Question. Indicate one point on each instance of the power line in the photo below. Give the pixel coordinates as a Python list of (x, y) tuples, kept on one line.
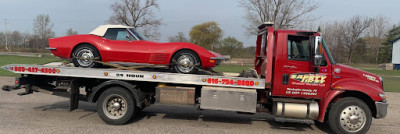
[(5, 33)]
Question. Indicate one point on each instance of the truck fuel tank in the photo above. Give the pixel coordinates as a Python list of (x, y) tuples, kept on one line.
[(296, 110)]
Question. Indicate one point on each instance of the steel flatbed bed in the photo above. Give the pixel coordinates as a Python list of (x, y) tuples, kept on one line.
[(145, 76)]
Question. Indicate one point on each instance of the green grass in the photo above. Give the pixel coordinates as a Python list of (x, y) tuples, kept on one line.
[(10, 59), (232, 68)]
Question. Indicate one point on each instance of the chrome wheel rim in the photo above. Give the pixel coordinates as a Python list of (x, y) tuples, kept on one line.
[(114, 106), (352, 118), (185, 63), (85, 57)]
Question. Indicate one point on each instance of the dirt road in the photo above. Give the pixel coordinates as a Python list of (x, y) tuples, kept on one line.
[(42, 113)]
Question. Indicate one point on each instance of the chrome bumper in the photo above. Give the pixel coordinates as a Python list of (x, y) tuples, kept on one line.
[(381, 109), (218, 58), (49, 48)]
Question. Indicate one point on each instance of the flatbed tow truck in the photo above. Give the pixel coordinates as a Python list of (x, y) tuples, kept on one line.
[(297, 78)]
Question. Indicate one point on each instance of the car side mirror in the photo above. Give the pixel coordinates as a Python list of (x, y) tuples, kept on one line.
[(127, 37)]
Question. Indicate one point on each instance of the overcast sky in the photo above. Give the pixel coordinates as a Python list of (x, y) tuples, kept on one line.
[(177, 15)]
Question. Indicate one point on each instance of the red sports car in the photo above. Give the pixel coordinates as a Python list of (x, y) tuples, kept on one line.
[(117, 43)]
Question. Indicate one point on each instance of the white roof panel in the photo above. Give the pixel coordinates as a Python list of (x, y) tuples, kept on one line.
[(101, 30)]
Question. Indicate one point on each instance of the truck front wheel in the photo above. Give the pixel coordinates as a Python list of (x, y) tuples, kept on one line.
[(116, 106), (350, 116)]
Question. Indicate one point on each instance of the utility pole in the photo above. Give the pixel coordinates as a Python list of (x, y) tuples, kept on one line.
[(5, 33)]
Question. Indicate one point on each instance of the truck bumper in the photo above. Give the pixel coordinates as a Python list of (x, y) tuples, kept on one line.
[(381, 109)]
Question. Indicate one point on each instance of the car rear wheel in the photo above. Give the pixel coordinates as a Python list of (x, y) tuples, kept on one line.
[(84, 56), (185, 62)]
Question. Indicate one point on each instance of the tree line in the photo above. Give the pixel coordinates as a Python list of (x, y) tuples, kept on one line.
[(42, 31)]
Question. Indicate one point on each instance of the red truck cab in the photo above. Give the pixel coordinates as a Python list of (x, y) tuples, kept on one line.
[(298, 64)]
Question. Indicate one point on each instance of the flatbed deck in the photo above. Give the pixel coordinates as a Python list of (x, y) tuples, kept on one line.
[(147, 76)]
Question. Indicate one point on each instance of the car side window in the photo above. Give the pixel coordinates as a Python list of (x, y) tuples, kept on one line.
[(118, 34), (299, 48)]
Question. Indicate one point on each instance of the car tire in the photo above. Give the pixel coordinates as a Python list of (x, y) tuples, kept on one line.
[(86, 51), (116, 106), (186, 62), (349, 116)]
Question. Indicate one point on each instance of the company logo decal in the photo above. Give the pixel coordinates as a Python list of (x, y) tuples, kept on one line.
[(337, 70), (371, 78), (308, 79)]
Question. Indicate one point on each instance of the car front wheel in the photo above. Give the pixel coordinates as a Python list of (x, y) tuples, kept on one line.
[(186, 62)]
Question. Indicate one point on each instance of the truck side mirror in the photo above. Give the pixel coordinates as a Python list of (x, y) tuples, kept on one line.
[(317, 60), (318, 50)]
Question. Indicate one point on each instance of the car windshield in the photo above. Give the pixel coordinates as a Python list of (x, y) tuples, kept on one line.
[(137, 34)]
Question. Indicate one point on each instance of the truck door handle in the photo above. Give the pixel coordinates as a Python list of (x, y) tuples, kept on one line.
[(291, 67), (285, 79)]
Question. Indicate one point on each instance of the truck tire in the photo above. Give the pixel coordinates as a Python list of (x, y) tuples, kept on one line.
[(86, 51), (350, 116), (116, 106)]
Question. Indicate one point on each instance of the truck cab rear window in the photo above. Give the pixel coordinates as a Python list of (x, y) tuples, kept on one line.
[(299, 48)]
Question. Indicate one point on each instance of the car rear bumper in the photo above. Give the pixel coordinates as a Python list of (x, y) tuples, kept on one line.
[(381, 109)]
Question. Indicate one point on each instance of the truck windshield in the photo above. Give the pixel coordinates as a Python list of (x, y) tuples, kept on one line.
[(137, 34), (328, 52)]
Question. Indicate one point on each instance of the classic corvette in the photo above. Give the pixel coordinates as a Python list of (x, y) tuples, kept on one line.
[(117, 43)]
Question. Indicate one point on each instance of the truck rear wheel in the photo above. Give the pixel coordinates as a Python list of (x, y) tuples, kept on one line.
[(350, 116), (116, 106)]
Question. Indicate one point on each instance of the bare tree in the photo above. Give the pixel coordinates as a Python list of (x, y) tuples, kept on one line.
[(332, 33), (354, 28), (180, 37), (137, 14), (70, 32), (43, 28), (16, 38), (284, 13), (376, 35)]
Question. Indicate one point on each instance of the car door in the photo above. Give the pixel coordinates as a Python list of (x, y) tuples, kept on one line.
[(122, 46), (300, 77)]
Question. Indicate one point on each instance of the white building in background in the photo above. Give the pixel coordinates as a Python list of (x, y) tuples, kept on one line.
[(396, 53)]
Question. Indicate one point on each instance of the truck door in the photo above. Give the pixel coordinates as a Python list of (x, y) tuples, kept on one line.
[(296, 72)]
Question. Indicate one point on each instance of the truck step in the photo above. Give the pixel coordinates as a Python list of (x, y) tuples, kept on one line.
[(293, 120)]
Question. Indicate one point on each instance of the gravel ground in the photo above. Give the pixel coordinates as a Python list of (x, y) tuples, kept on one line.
[(42, 113)]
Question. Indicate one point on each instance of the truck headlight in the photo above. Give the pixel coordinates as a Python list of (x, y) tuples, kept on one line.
[(383, 96)]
